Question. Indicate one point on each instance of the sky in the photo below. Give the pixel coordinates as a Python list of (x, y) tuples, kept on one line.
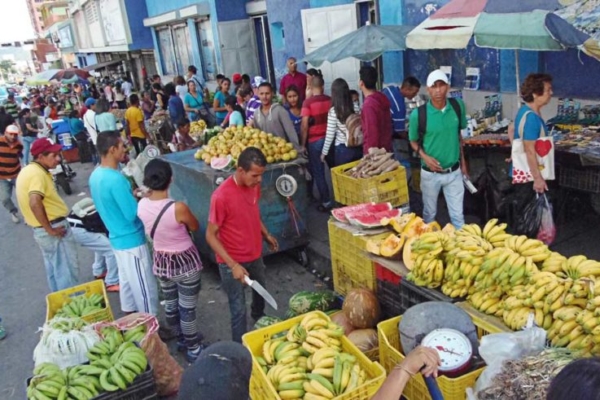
[(14, 22)]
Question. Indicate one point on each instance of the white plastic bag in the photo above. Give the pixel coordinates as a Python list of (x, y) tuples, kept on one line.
[(497, 348)]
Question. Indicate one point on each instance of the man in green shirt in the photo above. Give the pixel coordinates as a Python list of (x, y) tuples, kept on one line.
[(440, 150)]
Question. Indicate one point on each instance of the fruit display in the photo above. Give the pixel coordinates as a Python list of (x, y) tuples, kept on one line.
[(309, 362), (375, 162), (82, 305), (306, 301), (343, 214), (117, 365), (197, 128), (233, 140)]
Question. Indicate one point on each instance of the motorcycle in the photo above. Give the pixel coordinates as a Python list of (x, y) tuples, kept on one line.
[(62, 174)]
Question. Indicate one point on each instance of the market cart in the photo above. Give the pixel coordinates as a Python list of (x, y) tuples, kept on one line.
[(283, 204)]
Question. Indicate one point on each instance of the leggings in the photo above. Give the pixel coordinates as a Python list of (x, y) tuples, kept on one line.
[(181, 299), (139, 144)]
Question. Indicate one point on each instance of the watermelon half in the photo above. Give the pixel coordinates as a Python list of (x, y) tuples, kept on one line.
[(221, 163), (343, 214), (373, 220)]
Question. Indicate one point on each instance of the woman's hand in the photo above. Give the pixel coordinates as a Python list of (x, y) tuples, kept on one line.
[(422, 359), (323, 158), (539, 185)]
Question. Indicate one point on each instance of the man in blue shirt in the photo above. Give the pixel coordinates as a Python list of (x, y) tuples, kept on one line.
[(117, 207)]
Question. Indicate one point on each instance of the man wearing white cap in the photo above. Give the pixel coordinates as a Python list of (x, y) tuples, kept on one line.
[(434, 133)]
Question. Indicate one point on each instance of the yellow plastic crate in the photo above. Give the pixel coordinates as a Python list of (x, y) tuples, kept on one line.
[(351, 266), (387, 187), (391, 354), (261, 387), (55, 301)]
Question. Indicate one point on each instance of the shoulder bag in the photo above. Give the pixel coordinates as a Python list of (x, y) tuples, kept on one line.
[(544, 152)]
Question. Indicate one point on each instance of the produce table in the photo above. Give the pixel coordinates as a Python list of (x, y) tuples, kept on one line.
[(395, 266), (194, 182)]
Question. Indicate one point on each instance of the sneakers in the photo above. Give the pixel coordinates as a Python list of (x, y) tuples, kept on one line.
[(193, 354), (15, 218), (113, 288)]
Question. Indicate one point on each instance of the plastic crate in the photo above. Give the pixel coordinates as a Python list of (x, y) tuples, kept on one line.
[(351, 266), (587, 179), (388, 291), (261, 387), (55, 300), (387, 187), (391, 354), (411, 295)]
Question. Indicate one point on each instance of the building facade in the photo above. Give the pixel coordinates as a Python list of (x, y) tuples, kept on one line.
[(35, 14)]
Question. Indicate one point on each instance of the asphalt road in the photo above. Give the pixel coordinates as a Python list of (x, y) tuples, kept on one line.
[(23, 290)]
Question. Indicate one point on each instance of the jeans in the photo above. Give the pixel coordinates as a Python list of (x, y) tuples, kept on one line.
[(454, 191), (345, 155), (95, 156), (104, 257), (27, 141), (6, 189), (60, 257), (237, 296), (317, 169)]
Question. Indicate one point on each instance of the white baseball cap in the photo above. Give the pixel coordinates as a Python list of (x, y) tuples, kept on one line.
[(12, 129), (437, 75)]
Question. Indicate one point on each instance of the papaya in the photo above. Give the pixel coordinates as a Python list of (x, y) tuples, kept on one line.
[(415, 227), (391, 245), (407, 257), (373, 246), (399, 223)]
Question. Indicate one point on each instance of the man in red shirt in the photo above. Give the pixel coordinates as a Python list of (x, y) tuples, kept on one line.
[(293, 77), (313, 129), (376, 118), (235, 233)]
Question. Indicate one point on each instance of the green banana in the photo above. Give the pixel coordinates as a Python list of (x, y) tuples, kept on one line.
[(106, 385)]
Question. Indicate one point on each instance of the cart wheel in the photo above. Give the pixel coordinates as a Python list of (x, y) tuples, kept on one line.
[(595, 201), (303, 258)]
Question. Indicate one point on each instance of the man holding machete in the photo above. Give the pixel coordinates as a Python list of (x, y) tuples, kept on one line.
[(235, 233)]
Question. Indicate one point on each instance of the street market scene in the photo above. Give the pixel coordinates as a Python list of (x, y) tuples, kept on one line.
[(324, 199)]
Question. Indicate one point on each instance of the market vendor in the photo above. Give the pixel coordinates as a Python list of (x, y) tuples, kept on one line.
[(273, 117), (182, 139), (439, 145), (235, 233)]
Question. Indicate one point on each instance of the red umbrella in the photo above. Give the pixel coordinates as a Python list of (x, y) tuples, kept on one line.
[(70, 73)]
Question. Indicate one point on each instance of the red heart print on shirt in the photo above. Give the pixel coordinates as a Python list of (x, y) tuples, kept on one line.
[(543, 147)]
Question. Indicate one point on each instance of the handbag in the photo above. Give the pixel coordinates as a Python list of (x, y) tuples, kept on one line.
[(544, 149), (355, 136)]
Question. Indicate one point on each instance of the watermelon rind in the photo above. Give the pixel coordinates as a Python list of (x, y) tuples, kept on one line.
[(221, 163), (306, 301), (345, 213), (369, 221)]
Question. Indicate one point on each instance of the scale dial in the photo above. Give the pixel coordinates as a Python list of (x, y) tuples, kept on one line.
[(454, 348), (152, 151), (286, 185)]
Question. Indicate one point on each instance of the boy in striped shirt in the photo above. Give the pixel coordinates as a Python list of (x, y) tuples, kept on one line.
[(10, 166)]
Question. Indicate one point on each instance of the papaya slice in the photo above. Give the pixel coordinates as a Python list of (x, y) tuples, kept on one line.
[(407, 257), (392, 245), (373, 246)]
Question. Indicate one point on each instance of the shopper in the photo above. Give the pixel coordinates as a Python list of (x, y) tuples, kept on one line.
[(235, 233), (311, 73), (235, 113), (342, 107), (10, 166), (314, 127), (89, 121), (120, 98), (175, 105), (117, 207), (193, 102), (192, 75), (376, 119), (181, 138), (45, 212), (158, 96), (579, 380), (440, 148), (127, 87), (181, 87), (80, 136), (273, 118), (254, 103), (5, 119), (105, 120), (293, 77), (136, 127), (294, 107), (219, 101), (237, 81), (11, 106), (148, 106), (177, 262)]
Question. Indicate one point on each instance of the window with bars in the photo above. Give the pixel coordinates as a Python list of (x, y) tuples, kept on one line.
[(91, 12)]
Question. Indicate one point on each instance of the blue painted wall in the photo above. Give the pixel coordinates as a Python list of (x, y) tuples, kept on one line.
[(230, 10), (157, 7), (391, 12), (328, 3), (141, 36), (89, 57), (529, 61), (574, 73)]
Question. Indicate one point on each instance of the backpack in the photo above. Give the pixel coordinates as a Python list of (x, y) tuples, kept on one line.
[(355, 135), (422, 124)]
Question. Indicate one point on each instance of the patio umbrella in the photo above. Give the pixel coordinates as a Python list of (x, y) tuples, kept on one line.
[(43, 78), (585, 16), (366, 44), (70, 74)]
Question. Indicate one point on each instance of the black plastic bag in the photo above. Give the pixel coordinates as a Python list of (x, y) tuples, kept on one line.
[(530, 220)]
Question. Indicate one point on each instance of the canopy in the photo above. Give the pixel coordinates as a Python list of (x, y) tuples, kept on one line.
[(366, 44)]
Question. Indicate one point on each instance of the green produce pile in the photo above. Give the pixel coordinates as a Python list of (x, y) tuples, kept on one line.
[(81, 306)]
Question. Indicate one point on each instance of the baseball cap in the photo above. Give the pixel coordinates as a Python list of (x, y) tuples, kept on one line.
[(437, 75), (42, 145), (221, 372), (257, 80), (12, 129), (237, 77), (90, 102)]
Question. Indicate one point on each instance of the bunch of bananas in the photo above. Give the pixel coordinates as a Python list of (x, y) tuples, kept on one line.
[(530, 248), (67, 324), (135, 334), (85, 382), (308, 362), (495, 233), (578, 267), (427, 251), (81, 306), (555, 263), (197, 127)]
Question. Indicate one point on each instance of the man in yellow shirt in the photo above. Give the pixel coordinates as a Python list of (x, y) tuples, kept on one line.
[(136, 129), (46, 213)]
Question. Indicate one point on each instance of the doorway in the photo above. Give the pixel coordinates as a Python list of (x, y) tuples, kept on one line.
[(263, 42)]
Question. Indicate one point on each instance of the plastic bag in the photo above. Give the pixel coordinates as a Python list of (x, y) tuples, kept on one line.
[(531, 218), (497, 348), (547, 232)]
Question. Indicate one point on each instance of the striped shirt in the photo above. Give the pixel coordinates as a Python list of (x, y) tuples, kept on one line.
[(337, 133), (10, 166), (12, 108)]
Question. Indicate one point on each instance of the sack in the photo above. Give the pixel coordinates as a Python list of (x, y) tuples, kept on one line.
[(544, 148), (547, 232), (531, 219), (167, 372), (355, 135)]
